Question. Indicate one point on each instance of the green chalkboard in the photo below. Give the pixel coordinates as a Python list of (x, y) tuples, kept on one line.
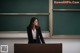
[(66, 23), (24, 6), (19, 23)]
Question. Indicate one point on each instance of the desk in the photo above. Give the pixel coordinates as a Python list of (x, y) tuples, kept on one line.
[(38, 48)]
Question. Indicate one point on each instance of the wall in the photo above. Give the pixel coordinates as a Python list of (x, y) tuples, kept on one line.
[(69, 45)]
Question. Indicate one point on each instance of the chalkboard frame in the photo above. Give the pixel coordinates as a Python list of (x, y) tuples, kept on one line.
[(65, 10), (23, 14)]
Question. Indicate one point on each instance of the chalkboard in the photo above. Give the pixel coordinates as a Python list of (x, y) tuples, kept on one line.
[(24, 6), (19, 23), (66, 23)]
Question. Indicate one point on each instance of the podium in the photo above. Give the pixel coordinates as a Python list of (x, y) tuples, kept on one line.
[(38, 48)]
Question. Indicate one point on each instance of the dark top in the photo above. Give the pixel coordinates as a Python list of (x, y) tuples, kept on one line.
[(39, 38)]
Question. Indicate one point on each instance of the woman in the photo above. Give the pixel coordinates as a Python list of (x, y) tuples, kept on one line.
[(34, 32)]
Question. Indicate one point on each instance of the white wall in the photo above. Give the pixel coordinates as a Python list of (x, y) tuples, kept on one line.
[(69, 45)]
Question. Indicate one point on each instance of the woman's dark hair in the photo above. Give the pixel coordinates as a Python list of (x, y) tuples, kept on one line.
[(32, 21)]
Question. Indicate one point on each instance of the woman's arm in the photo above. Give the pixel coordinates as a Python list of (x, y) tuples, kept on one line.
[(41, 37), (29, 34)]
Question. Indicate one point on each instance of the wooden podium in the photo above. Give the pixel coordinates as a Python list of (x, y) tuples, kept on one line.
[(38, 48)]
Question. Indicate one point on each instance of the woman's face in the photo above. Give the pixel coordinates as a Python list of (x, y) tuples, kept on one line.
[(35, 22)]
